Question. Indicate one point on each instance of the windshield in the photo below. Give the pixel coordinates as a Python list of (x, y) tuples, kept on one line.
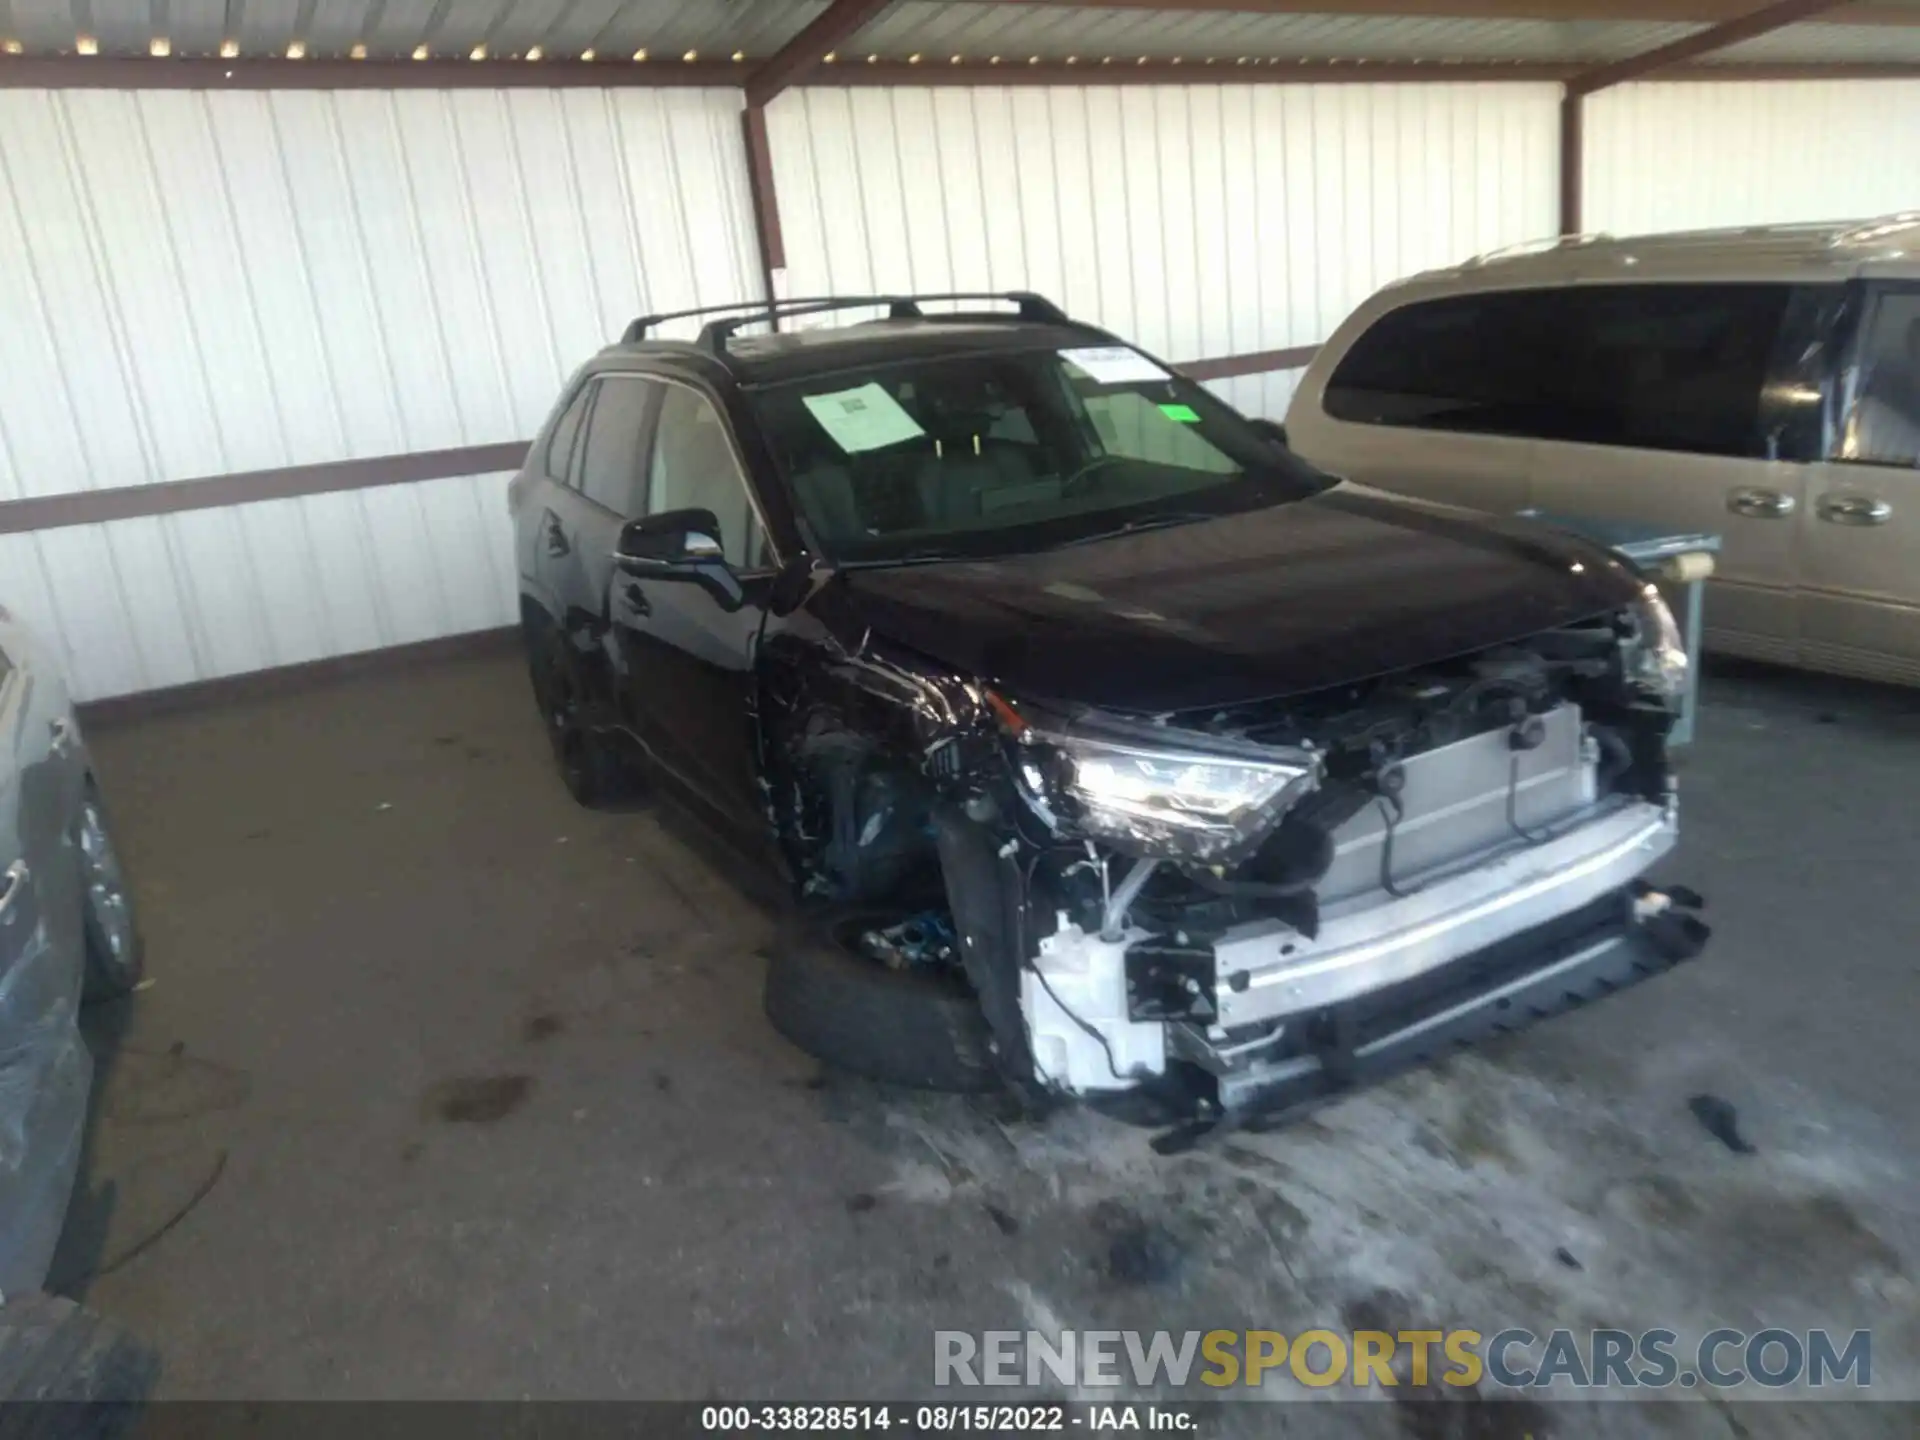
[(994, 454)]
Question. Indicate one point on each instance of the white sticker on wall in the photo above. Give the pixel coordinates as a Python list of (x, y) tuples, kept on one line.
[(1114, 364), (864, 418)]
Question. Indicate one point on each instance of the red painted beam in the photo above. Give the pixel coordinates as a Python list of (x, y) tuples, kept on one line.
[(766, 202), (1763, 21), (796, 59), (1228, 71), (1572, 160), (1679, 12)]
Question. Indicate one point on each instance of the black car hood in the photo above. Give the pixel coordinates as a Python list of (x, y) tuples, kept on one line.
[(1348, 584)]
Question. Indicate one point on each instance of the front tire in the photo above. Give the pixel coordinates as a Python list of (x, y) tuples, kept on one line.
[(919, 1027)]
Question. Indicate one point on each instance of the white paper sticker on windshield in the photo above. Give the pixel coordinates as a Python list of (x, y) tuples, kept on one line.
[(865, 418), (1114, 364)]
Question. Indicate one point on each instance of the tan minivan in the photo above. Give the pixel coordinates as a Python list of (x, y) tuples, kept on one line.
[(1760, 384)]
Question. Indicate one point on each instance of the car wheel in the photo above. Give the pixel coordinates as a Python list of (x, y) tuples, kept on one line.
[(920, 1026), (593, 768), (115, 955)]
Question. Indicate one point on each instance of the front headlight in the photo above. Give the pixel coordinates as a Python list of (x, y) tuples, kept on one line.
[(1660, 657), (1147, 799)]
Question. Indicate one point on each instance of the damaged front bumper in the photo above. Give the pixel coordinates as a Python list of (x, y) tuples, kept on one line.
[(1604, 946), (1520, 930), (1267, 971)]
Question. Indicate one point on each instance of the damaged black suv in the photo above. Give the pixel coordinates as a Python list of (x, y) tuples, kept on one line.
[(1105, 747)]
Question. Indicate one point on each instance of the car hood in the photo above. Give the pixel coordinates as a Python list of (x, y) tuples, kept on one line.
[(1348, 584)]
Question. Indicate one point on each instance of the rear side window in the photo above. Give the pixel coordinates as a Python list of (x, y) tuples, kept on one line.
[(614, 451), (565, 430), (1658, 367)]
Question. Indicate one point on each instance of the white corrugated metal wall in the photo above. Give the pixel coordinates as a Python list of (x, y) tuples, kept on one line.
[(1693, 155), (205, 283), (1201, 221)]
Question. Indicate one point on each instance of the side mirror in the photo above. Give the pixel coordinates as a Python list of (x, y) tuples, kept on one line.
[(1272, 430), (680, 545)]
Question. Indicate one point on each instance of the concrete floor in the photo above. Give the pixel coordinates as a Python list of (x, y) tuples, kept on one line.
[(476, 1091)]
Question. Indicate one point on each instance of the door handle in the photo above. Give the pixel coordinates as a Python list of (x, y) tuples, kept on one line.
[(557, 539), (1843, 509), (13, 885), (61, 729), (637, 599), (1759, 504)]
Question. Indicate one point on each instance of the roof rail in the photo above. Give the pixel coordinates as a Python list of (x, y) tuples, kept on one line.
[(713, 335), (1869, 230), (638, 329), (1544, 245)]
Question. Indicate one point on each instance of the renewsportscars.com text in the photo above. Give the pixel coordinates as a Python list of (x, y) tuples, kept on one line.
[(1511, 1359)]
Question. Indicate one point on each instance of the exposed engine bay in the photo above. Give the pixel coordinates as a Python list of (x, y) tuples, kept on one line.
[(1212, 908)]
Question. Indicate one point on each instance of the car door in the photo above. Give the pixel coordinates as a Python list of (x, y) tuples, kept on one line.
[(604, 489), (688, 658), (1657, 412), (1860, 532)]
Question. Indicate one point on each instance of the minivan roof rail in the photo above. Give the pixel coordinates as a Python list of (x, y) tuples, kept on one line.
[(1546, 244), (1835, 234), (714, 334), (1880, 229)]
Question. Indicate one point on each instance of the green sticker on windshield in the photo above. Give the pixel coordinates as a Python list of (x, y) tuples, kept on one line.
[(1185, 414)]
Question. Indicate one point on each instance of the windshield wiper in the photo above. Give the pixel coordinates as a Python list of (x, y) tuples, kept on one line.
[(930, 556), (1161, 521)]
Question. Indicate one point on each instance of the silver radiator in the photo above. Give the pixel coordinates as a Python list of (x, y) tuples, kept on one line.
[(1455, 804)]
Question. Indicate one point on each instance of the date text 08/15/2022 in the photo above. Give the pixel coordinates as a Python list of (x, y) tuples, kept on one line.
[(864, 1419)]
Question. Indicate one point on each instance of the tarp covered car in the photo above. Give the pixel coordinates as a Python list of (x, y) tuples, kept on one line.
[(66, 929)]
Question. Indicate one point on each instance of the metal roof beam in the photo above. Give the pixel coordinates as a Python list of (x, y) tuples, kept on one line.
[(796, 59), (1763, 21), (102, 72), (1678, 12), (1217, 71)]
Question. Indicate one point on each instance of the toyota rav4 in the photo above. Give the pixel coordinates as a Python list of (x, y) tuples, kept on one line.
[(1104, 747)]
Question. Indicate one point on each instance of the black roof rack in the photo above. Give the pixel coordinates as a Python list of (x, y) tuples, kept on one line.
[(714, 334), (637, 331)]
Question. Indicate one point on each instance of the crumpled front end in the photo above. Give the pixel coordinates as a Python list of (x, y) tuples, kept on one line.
[(1239, 907), (1255, 907)]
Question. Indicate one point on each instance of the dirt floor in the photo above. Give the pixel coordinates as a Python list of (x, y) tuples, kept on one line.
[(445, 1087)]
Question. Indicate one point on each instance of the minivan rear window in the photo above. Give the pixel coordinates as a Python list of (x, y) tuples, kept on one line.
[(1658, 367)]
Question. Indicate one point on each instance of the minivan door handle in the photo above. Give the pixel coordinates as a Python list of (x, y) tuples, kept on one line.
[(556, 535), (1759, 503), (1843, 509)]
